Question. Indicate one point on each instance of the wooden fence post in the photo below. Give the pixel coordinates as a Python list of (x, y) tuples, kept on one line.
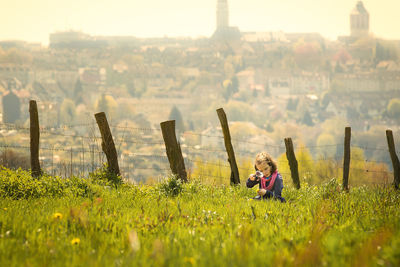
[(107, 143), (34, 136), (173, 149), (294, 168), (394, 158), (346, 158), (228, 146)]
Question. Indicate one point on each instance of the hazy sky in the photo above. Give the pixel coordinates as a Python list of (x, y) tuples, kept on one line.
[(33, 20)]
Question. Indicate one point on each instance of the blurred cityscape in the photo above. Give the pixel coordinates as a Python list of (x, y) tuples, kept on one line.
[(271, 85)]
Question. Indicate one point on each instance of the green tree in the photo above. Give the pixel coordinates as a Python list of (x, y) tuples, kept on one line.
[(338, 68), (131, 88), (393, 108), (16, 56), (78, 92), (67, 111), (306, 164), (326, 169), (106, 104), (176, 115), (308, 55), (307, 119), (335, 126), (267, 89), (269, 128), (227, 89), (235, 84), (239, 111), (385, 51), (326, 141), (11, 108), (292, 104)]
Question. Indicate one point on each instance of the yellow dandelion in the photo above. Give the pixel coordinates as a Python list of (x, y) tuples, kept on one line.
[(75, 241), (5, 209), (57, 216), (190, 260)]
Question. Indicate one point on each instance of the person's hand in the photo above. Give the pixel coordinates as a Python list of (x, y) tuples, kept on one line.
[(261, 192), (252, 177)]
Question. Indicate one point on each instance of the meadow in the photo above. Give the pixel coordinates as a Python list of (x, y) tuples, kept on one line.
[(100, 221)]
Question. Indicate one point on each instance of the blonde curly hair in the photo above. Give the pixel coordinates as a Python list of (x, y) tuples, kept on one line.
[(264, 157)]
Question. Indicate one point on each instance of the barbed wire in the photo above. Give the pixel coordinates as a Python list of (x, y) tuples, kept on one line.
[(203, 149), (367, 170), (142, 143), (50, 129), (154, 169), (215, 164), (372, 149), (73, 150), (147, 155), (54, 127), (136, 128), (72, 135), (318, 147)]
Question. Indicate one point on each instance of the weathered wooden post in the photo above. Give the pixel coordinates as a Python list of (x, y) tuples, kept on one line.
[(291, 157), (173, 149), (107, 143), (34, 136), (228, 146), (346, 158), (394, 158)]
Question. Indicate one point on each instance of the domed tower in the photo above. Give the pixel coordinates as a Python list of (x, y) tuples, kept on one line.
[(359, 21), (222, 14)]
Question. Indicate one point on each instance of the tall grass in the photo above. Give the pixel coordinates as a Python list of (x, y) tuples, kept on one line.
[(197, 224)]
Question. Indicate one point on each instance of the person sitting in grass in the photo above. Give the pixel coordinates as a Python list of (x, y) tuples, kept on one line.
[(267, 177)]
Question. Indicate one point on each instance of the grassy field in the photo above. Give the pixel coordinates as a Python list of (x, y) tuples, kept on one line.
[(91, 222)]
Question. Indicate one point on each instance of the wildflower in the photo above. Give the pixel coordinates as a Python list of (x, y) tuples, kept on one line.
[(189, 259), (5, 209), (75, 241), (57, 216)]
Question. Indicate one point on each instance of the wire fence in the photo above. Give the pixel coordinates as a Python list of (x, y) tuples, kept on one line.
[(75, 150)]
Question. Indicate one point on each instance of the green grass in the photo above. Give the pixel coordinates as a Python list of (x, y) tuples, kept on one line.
[(193, 224)]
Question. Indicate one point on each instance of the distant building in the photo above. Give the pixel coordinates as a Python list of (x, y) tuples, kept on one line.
[(281, 82), (264, 37), (376, 82), (223, 30), (306, 37), (359, 24), (93, 75), (21, 72), (222, 14), (68, 37), (75, 39), (359, 21)]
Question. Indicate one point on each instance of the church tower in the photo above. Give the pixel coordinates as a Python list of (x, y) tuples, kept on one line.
[(222, 15), (223, 31), (359, 21)]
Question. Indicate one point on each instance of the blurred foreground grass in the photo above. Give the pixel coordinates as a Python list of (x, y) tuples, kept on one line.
[(89, 222)]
